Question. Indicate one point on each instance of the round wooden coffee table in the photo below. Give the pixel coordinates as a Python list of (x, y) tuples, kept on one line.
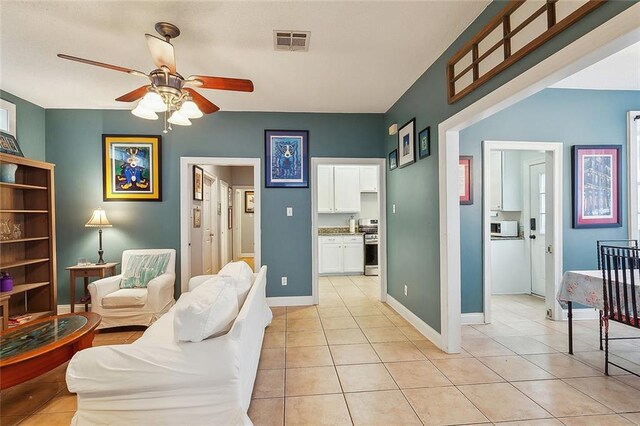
[(31, 349)]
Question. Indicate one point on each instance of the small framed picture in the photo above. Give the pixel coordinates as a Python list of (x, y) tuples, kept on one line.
[(197, 217), (9, 145), (230, 218), (393, 159), (465, 179), (198, 181), (424, 142), (249, 199), (596, 186), (407, 144)]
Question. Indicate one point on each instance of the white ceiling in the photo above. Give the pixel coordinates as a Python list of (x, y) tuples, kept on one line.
[(620, 71), (363, 55)]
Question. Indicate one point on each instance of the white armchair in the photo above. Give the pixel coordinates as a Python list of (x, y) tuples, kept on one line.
[(134, 306)]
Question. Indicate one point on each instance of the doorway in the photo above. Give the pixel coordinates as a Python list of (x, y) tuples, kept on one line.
[(243, 223), (199, 219), (346, 260), (530, 191)]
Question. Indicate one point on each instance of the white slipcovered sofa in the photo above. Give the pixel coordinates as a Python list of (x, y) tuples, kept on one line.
[(158, 381)]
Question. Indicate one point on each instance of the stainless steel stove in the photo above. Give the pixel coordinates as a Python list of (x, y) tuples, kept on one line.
[(370, 229)]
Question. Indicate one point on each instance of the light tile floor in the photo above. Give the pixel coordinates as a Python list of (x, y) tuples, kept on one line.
[(354, 360)]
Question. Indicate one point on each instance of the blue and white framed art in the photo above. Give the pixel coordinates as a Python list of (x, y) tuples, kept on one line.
[(407, 144), (286, 158), (424, 142)]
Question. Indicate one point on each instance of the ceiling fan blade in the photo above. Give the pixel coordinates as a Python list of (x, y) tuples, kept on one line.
[(134, 95), (162, 52), (203, 103), (222, 83), (101, 64)]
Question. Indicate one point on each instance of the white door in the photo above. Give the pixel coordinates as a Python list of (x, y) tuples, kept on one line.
[(330, 250), (224, 223), (346, 187), (325, 189), (537, 224), (207, 224), (368, 178)]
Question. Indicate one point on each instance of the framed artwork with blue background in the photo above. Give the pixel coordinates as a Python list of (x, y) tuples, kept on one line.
[(424, 142), (393, 159), (286, 158)]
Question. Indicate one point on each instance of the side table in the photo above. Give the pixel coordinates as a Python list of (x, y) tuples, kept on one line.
[(87, 271)]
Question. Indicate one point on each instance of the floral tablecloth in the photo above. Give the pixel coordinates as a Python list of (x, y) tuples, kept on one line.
[(585, 287)]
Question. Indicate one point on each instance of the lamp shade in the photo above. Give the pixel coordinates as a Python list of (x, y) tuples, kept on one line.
[(190, 110), (154, 102), (98, 220), (179, 119), (143, 112)]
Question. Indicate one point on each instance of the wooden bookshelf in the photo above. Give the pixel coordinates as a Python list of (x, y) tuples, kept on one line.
[(29, 254)]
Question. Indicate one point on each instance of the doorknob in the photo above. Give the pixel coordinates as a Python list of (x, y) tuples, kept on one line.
[(533, 237)]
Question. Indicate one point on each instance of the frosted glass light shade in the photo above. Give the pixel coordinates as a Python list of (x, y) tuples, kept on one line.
[(189, 109), (179, 119), (98, 220), (142, 112), (154, 102)]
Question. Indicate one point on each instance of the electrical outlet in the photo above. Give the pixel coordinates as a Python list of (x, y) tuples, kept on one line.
[(284, 280), (394, 208), (406, 290)]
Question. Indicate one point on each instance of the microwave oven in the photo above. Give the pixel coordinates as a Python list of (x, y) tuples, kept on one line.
[(504, 228)]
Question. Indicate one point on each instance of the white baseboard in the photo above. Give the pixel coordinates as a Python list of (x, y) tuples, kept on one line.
[(422, 326), (65, 309), (472, 318), (290, 301), (581, 314)]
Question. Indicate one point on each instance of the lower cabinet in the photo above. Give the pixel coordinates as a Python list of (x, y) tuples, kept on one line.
[(509, 268), (341, 254)]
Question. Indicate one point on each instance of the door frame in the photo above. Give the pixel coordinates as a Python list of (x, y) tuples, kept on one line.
[(382, 221), (555, 149), (186, 194), (237, 221), (224, 220), (612, 36), (526, 203), (632, 172)]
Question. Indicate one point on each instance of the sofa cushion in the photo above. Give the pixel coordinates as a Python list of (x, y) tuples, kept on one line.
[(142, 268), (125, 297), (209, 310), (242, 276)]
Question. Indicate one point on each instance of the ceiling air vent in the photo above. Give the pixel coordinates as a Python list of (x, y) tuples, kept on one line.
[(292, 41)]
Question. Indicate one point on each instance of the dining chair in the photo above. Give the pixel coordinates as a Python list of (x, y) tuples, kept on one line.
[(600, 243), (621, 293)]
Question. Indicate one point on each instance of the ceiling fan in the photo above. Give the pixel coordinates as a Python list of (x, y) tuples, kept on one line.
[(168, 91)]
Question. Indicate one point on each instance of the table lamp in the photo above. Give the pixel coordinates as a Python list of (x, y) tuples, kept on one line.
[(99, 220)]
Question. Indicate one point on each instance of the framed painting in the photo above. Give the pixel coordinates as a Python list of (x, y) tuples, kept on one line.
[(249, 199), (424, 143), (596, 186), (197, 217), (465, 179), (393, 159), (286, 158), (9, 144), (407, 144), (131, 168), (198, 182)]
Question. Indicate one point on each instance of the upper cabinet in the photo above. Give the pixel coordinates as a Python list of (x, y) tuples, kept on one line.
[(506, 181), (338, 189), (368, 178)]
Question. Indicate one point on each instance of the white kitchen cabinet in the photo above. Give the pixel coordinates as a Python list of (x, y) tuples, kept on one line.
[(330, 261), (353, 254), (509, 267), (325, 189), (346, 189), (506, 181), (495, 185), (368, 178), (341, 254)]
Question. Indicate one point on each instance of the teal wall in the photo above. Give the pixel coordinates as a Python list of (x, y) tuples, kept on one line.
[(573, 117), (74, 145), (413, 234), (31, 126)]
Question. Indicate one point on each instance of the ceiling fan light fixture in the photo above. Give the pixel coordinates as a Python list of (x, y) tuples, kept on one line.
[(189, 109), (143, 112), (154, 102), (179, 119)]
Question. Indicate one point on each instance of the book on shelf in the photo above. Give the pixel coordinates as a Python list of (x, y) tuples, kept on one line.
[(19, 319)]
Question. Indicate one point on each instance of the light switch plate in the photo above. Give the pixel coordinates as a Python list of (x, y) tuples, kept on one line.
[(284, 280), (289, 211), (394, 208)]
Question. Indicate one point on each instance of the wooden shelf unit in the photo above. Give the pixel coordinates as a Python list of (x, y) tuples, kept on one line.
[(30, 258)]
